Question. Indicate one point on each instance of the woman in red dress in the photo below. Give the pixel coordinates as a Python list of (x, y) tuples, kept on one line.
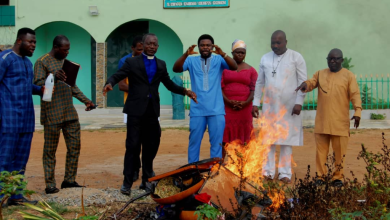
[(238, 88)]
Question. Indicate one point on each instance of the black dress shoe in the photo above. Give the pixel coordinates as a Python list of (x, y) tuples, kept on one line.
[(338, 183), (66, 184), (20, 202), (136, 176), (142, 186), (147, 186), (125, 190), (51, 190)]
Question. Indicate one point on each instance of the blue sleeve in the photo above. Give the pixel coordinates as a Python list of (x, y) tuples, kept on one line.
[(36, 90), (187, 64), (224, 65), (121, 62)]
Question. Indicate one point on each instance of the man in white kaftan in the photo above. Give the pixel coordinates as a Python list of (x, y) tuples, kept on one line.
[(281, 71)]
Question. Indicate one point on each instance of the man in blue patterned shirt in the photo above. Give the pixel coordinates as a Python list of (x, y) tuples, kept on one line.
[(206, 74), (17, 120)]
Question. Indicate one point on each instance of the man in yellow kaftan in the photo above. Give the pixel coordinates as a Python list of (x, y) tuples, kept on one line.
[(337, 87)]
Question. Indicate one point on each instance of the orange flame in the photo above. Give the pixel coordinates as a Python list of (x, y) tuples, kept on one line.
[(253, 155), (278, 197)]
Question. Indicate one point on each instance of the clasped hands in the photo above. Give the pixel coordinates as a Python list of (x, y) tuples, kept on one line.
[(217, 50), (236, 105)]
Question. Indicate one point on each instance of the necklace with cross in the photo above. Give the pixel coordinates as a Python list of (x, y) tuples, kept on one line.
[(273, 59)]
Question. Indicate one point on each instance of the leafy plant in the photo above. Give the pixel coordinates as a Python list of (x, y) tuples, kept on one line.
[(347, 63), (367, 199), (55, 210), (366, 96), (378, 116), (50, 212), (12, 183), (207, 211), (43, 208)]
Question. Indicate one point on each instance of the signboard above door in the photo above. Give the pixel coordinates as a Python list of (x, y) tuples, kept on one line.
[(195, 4)]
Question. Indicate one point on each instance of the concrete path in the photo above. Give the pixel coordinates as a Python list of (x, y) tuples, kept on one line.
[(113, 118)]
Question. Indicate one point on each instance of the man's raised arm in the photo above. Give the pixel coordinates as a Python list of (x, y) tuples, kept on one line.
[(178, 66)]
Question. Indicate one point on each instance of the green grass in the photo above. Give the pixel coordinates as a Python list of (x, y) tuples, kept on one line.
[(9, 211), (60, 209)]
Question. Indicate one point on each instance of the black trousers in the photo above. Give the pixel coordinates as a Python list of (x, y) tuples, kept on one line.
[(141, 130)]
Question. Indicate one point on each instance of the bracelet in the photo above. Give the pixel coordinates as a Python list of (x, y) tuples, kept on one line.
[(225, 56)]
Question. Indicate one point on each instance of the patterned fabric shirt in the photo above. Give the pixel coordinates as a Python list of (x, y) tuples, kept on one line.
[(16, 89), (206, 77), (61, 107)]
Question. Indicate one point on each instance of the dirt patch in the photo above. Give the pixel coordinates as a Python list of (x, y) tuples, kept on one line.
[(102, 153)]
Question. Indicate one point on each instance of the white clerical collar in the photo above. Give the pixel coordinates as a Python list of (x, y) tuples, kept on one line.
[(149, 57)]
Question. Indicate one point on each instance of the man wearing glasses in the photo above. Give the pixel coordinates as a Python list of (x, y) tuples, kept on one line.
[(337, 87)]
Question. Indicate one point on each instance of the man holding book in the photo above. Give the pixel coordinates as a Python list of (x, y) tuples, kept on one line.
[(60, 114)]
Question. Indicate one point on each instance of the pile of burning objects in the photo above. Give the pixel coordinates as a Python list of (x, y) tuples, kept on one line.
[(179, 192)]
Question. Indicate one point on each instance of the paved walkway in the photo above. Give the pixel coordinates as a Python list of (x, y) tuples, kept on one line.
[(113, 118)]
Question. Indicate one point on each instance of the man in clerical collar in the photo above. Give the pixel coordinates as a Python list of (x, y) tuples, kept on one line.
[(206, 74), (145, 73), (280, 72), (337, 86)]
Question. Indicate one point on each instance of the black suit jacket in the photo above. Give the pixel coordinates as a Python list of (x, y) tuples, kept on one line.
[(139, 87)]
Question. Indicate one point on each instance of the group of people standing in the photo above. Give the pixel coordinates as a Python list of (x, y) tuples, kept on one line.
[(227, 93), (19, 80)]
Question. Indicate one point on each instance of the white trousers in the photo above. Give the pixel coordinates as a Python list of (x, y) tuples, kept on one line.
[(284, 167), (125, 118)]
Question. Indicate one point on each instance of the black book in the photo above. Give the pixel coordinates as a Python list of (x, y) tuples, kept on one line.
[(71, 69)]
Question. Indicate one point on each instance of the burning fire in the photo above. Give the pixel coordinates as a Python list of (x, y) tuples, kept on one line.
[(271, 128)]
